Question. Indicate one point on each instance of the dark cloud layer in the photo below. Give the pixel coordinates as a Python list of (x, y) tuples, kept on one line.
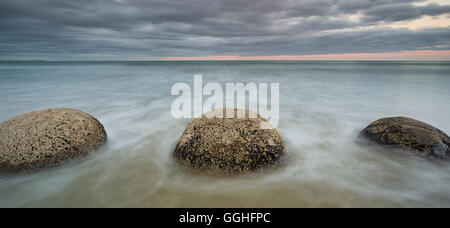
[(133, 29)]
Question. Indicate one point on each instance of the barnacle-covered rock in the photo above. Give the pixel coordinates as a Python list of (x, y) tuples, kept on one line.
[(46, 138), (216, 144), (411, 135)]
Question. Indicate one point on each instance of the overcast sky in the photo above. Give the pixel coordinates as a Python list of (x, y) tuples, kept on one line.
[(170, 29)]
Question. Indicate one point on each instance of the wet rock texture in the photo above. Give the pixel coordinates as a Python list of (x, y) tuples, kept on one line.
[(46, 138), (224, 146), (412, 135)]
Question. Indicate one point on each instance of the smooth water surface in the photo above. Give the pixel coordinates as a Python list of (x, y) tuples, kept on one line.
[(323, 107)]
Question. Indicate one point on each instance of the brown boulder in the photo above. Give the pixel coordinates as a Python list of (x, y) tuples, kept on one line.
[(46, 138), (229, 145), (412, 135)]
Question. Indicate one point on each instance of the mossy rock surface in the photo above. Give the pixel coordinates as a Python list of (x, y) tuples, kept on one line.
[(46, 138), (240, 145), (412, 135)]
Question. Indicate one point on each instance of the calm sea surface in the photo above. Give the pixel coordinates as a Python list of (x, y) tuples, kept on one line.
[(323, 107)]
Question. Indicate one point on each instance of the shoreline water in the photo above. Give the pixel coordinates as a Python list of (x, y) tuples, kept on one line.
[(323, 108)]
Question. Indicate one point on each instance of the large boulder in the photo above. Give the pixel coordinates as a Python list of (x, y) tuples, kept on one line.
[(412, 135), (46, 138), (224, 146)]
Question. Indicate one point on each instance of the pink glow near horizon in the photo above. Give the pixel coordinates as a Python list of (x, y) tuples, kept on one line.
[(405, 55)]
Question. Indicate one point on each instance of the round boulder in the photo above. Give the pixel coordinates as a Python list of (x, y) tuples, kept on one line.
[(46, 138), (219, 145), (412, 135)]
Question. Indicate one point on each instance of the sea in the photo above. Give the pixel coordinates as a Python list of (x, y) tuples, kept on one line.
[(323, 106)]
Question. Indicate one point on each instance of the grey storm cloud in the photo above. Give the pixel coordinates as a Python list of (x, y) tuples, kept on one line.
[(404, 11), (114, 29)]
